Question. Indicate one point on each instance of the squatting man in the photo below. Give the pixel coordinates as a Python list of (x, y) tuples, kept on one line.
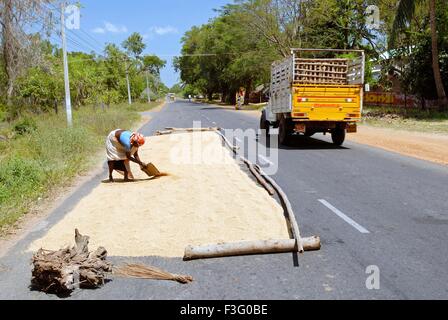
[(122, 148)]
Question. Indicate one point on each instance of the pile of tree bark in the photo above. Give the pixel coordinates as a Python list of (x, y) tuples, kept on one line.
[(62, 271)]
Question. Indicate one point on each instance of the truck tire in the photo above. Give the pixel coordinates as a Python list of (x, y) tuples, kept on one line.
[(283, 131), (264, 124), (338, 136)]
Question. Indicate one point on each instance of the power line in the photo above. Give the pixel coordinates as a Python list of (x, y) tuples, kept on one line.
[(84, 40), (91, 37), (80, 41)]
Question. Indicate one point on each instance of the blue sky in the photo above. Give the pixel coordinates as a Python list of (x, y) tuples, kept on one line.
[(161, 22)]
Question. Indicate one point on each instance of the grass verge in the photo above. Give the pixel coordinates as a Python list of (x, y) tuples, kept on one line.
[(407, 119), (140, 106), (42, 154)]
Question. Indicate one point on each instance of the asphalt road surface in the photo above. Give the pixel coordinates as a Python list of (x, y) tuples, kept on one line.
[(370, 208)]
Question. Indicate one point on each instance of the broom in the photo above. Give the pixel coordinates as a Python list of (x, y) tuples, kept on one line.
[(148, 272), (152, 171)]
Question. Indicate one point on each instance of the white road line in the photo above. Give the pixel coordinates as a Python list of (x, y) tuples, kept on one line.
[(265, 160), (344, 217)]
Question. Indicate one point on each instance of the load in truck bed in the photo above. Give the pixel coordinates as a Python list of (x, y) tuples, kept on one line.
[(207, 198)]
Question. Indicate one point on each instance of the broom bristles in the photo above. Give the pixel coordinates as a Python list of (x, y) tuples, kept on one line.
[(148, 272)]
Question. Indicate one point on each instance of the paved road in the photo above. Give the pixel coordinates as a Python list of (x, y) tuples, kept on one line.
[(369, 206)]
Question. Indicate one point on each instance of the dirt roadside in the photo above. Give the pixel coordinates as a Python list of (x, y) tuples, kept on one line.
[(57, 196), (425, 146)]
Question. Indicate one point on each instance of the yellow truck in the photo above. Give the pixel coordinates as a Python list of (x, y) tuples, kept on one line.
[(316, 90)]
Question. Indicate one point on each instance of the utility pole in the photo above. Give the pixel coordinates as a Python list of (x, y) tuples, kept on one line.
[(68, 101), (129, 85), (156, 84), (147, 87)]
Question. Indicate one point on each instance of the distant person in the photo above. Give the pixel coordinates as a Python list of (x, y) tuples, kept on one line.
[(121, 148), (189, 97)]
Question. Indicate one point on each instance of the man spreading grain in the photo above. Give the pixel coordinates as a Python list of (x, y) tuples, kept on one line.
[(121, 148)]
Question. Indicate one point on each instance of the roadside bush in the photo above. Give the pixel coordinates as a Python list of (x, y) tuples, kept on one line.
[(46, 154), (20, 181), (2, 112), (24, 126)]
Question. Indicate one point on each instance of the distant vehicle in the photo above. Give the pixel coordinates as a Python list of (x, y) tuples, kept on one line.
[(311, 94), (171, 96)]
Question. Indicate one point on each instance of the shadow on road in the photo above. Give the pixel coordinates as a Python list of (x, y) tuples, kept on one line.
[(300, 142), (212, 108), (106, 181), (307, 143)]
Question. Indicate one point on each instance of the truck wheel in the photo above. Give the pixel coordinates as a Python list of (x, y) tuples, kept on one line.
[(264, 125), (283, 132), (338, 136)]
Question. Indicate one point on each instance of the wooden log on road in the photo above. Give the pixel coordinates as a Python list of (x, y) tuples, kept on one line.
[(163, 132), (191, 129), (170, 130), (287, 207), (258, 176), (283, 197), (249, 248)]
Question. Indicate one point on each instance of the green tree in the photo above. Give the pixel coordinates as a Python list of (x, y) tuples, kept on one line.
[(153, 64), (134, 45), (404, 15)]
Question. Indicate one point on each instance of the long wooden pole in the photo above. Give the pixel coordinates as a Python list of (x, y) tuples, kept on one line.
[(258, 176), (249, 248), (283, 197), (287, 207)]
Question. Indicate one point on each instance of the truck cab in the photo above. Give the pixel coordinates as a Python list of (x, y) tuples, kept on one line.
[(316, 91)]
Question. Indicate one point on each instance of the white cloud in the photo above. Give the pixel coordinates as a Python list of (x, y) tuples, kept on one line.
[(115, 29), (164, 30), (99, 30), (109, 27)]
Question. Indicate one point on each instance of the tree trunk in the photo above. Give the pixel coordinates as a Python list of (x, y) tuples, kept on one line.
[(223, 97), (224, 94), (9, 93), (8, 51), (232, 97), (62, 271), (248, 91), (443, 103)]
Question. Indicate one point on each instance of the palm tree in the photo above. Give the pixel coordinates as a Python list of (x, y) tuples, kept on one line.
[(405, 12)]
